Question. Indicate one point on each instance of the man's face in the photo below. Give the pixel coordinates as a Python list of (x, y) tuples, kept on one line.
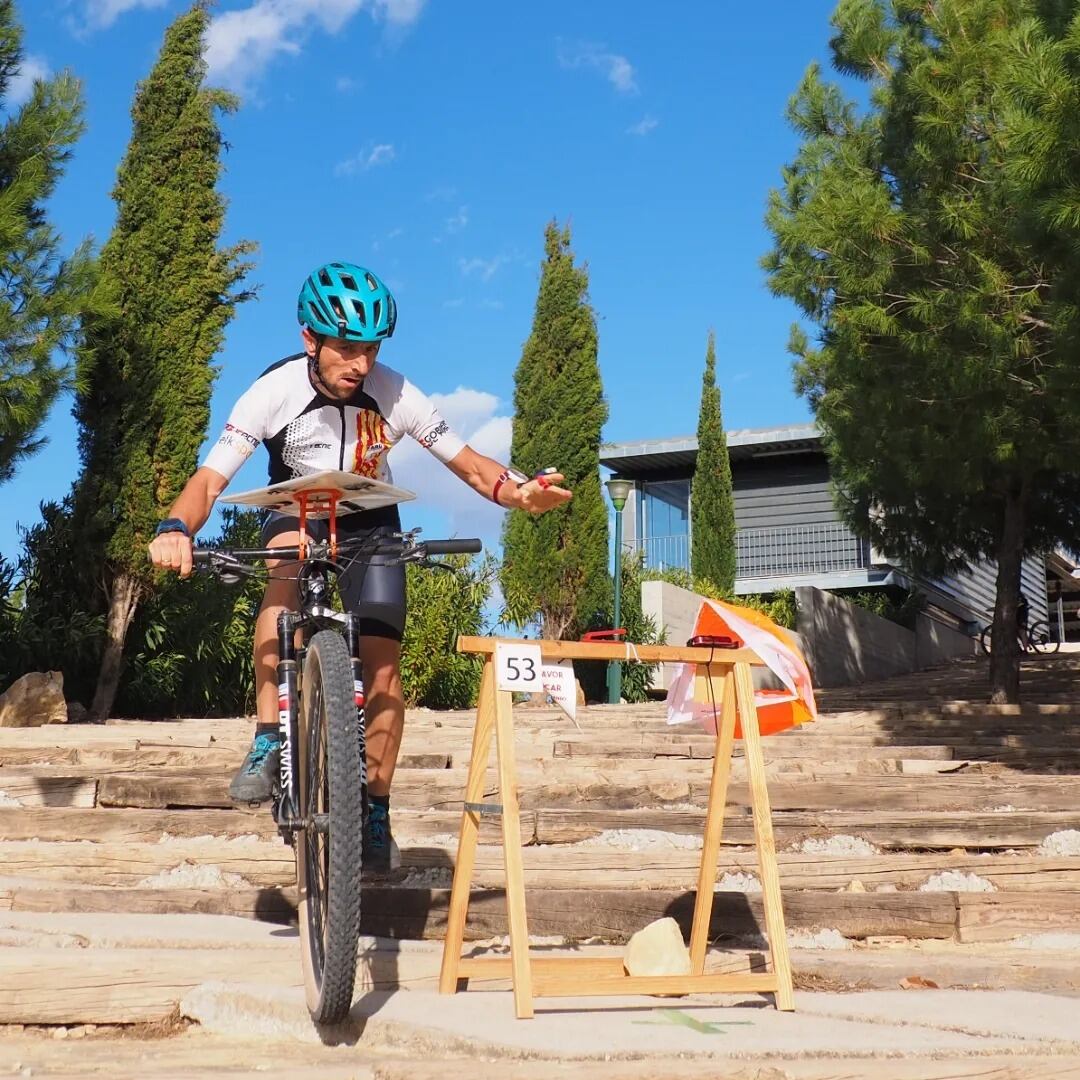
[(343, 364)]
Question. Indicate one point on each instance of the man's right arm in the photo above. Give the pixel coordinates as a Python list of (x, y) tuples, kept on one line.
[(172, 550)]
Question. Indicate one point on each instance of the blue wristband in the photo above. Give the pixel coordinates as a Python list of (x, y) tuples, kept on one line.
[(172, 525)]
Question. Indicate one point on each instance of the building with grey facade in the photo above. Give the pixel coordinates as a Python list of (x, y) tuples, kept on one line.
[(789, 532)]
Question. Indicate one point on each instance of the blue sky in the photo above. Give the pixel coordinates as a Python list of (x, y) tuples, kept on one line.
[(432, 140)]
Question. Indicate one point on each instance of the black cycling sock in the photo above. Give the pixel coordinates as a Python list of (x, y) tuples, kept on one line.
[(380, 800), (265, 729)]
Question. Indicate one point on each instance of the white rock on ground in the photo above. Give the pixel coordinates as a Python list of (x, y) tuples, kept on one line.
[(657, 949), (955, 881), (641, 840), (841, 844), (7, 800), (738, 882), (1062, 842)]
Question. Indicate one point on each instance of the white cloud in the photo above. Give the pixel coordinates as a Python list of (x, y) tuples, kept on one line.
[(643, 126), (101, 14), (486, 268), (615, 68), (382, 154), (458, 221), (475, 416), (22, 83), (241, 44), (345, 84)]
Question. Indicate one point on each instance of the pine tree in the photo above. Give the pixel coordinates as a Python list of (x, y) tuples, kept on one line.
[(712, 504), (555, 564), (934, 240), (146, 377), (43, 295)]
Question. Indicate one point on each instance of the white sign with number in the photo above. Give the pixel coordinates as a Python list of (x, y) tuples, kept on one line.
[(517, 667)]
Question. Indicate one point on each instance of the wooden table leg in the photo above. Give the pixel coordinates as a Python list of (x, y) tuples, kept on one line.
[(470, 831), (515, 873), (714, 818), (763, 835)]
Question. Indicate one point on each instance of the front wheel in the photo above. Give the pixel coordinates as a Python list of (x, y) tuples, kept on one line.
[(1040, 640), (330, 846)]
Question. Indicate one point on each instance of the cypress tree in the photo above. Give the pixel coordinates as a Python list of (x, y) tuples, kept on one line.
[(712, 504), (43, 295), (555, 565), (146, 379), (933, 238)]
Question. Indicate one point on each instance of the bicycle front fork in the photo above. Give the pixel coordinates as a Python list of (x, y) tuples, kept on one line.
[(287, 806), (352, 639)]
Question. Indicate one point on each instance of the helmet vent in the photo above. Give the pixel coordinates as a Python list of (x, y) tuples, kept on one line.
[(324, 279), (358, 307), (348, 281), (373, 285), (339, 311), (378, 311)]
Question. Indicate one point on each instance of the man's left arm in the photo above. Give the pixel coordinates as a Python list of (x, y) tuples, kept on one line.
[(496, 482)]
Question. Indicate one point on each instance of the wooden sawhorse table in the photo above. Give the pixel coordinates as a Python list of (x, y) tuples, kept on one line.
[(725, 675)]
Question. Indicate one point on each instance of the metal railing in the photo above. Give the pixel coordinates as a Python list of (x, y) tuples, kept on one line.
[(823, 548), (786, 550)]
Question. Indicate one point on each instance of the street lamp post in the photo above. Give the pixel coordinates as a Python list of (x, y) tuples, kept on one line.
[(618, 490)]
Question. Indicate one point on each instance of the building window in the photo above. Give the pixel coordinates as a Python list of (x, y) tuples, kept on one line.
[(665, 526)]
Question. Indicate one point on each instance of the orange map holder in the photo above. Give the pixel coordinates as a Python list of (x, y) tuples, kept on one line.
[(724, 676)]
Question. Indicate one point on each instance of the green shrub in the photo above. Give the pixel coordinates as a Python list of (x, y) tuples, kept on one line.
[(443, 606)]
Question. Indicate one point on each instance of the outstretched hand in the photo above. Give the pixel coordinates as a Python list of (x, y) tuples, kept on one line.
[(542, 493)]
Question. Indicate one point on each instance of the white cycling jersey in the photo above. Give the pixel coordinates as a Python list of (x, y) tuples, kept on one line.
[(306, 432)]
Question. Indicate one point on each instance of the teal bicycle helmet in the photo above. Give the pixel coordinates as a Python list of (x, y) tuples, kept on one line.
[(344, 300)]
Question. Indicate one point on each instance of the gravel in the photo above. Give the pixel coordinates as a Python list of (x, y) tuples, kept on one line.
[(7, 800), (431, 877), (191, 876), (818, 939), (841, 844), (738, 882), (955, 881), (1062, 842), (641, 840)]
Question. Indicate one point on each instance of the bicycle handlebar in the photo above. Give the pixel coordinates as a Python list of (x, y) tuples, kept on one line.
[(451, 547), (360, 546)]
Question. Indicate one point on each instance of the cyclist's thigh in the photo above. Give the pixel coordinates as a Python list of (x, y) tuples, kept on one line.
[(281, 530), (375, 592)]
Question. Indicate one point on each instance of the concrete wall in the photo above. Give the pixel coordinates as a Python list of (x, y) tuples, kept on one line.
[(845, 644), (935, 642)]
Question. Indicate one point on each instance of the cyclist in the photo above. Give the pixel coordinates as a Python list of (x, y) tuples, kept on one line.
[(335, 406)]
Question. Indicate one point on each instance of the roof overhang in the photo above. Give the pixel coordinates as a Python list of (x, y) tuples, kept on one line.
[(661, 455)]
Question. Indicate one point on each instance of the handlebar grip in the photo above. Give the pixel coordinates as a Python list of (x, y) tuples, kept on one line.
[(200, 555), (452, 547)]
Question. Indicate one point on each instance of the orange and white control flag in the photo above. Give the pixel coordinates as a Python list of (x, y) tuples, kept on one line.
[(778, 709)]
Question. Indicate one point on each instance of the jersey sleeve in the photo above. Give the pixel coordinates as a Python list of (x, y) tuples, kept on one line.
[(423, 421), (244, 430)]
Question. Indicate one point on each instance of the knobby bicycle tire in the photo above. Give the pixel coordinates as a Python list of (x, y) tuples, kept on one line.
[(328, 860)]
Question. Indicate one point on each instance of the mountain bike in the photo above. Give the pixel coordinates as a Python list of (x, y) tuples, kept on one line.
[(1035, 638), (320, 804)]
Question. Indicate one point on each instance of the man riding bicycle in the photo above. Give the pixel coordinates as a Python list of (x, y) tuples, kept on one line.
[(333, 406)]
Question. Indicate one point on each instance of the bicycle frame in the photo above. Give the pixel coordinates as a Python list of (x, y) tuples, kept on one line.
[(314, 615)]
